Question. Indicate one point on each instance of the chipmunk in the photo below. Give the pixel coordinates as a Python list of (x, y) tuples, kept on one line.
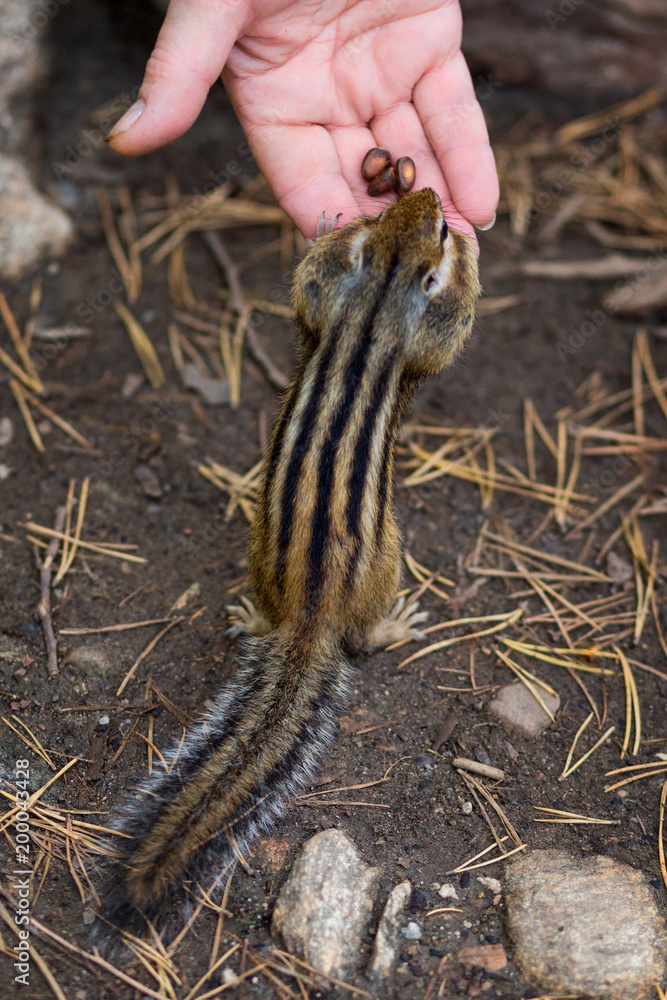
[(379, 304)]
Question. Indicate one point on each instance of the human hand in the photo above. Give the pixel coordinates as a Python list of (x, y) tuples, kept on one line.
[(315, 85)]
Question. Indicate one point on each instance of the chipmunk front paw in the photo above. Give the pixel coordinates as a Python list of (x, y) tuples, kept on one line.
[(324, 227)]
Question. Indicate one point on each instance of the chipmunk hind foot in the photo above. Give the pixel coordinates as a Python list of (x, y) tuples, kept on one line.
[(397, 626), (246, 619)]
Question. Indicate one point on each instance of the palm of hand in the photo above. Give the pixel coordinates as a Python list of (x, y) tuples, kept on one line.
[(319, 84)]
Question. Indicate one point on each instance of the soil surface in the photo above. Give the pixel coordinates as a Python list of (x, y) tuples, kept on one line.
[(416, 825)]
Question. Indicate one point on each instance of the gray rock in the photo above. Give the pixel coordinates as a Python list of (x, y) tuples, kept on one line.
[(6, 431), (22, 66), (150, 484), (213, 391), (324, 908), (387, 942), (584, 926), (516, 707), (30, 226)]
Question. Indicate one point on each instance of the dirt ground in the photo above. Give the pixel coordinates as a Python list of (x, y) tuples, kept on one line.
[(415, 825)]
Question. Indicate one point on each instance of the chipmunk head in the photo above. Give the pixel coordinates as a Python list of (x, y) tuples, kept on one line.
[(418, 275)]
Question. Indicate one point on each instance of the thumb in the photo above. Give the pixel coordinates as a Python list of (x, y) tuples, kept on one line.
[(190, 52)]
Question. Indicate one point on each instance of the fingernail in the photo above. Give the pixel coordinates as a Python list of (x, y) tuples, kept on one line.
[(482, 229), (132, 115)]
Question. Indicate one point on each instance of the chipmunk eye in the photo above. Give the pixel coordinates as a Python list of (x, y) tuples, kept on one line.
[(443, 231)]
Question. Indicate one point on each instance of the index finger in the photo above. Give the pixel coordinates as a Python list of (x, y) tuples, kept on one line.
[(454, 125)]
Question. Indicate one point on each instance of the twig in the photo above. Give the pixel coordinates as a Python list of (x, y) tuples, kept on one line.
[(261, 358), (19, 395), (44, 606), (115, 628), (603, 739), (151, 645), (632, 707), (661, 842), (484, 769), (560, 816)]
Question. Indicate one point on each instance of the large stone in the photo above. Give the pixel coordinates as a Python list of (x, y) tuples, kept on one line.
[(30, 226), (519, 709), (22, 66), (325, 907), (586, 926), (387, 939)]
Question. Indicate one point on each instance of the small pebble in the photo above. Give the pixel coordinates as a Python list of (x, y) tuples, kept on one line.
[(424, 760), (466, 808), (6, 431), (386, 945), (149, 481), (490, 883), (490, 957), (214, 391), (448, 892), (412, 931), (133, 382), (516, 707)]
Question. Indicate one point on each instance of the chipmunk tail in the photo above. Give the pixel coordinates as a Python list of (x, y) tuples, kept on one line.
[(224, 784)]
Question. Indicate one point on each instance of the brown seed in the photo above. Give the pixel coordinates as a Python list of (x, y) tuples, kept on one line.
[(405, 174), (374, 162), (383, 183)]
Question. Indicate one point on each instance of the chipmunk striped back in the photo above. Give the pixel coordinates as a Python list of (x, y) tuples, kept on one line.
[(379, 304)]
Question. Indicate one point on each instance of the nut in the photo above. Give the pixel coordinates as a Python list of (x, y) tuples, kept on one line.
[(374, 162), (405, 174), (383, 183)]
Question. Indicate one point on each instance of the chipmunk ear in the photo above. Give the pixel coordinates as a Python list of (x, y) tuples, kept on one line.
[(431, 282)]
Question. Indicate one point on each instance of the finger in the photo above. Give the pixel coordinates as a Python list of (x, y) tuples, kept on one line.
[(302, 167), (188, 57), (454, 125), (401, 126)]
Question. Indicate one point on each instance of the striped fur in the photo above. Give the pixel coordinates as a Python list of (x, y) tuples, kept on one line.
[(379, 304)]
